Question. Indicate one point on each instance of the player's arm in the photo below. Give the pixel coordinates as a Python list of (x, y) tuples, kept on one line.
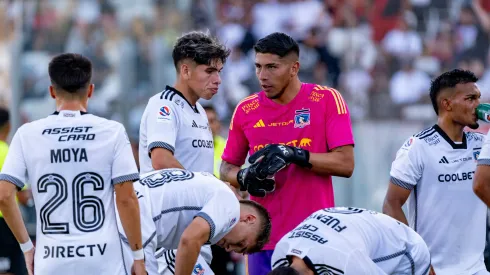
[(235, 151), (406, 170), (338, 162), (481, 182), (194, 237), (12, 179), (162, 132), (124, 173)]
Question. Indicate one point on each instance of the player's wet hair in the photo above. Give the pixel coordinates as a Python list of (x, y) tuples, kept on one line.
[(200, 48), (70, 72), (277, 43), (284, 270), (264, 227), (449, 80)]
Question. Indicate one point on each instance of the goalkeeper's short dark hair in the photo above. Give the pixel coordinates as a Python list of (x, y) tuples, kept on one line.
[(277, 43), (200, 47), (284, 270), (449, 80), (4, 116), (70, 72), (264, 227)]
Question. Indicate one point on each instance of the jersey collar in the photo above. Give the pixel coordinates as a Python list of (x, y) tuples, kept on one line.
[(57, 113), (443, 134), (194, 108)]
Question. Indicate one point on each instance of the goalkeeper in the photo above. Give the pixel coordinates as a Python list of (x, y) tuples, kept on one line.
[(313, 125)]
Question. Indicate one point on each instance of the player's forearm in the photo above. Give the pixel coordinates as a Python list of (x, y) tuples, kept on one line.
[(481, 185), (129, 214), (394, 210), (164, 159), (13, 217), (187, 254), (228, 172), (335, 163)]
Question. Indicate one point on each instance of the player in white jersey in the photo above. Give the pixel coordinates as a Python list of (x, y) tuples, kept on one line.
[(174, 129), (434, 170), (351, 241), (75, 162), (184, 210)]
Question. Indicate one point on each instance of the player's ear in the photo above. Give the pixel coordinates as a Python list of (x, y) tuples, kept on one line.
[(52, 93), (90, 90), (185, 70), (295, 68), (446, 104)]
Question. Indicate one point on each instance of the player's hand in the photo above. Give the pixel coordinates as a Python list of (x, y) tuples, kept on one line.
[(29, 259), (138, 268), (432, 272), (256, 184), (275, 157)]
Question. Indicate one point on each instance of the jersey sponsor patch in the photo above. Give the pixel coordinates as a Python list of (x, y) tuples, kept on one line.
[(164, 113), (198, 269)]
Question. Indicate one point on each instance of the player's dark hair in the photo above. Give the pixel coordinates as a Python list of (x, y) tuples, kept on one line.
[(70, 72), (265, 225), (277, 43), (284, 270), (4, 116), (200, 48), (449, 80)]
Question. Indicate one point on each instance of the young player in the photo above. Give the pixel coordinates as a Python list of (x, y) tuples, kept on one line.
[(351, 241), (75, 162), (174, 130), (184, 210), (434, 170), (313, 125)]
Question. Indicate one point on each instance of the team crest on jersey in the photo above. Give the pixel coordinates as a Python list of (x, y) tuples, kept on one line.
[(476, 153), (198, 269), (302, 118)]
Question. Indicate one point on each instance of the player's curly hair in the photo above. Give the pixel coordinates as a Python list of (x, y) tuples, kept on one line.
[(284, 270), (449, 80), (277, 43), (264, 228), (200, 47), (70, 72)]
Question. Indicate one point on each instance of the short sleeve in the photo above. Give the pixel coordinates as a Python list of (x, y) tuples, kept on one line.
[(14, 169), (484, 157), (222, 212), (237, 145), (360, 263), (407, 168), (161, 125), (123, 166), (338, 123)]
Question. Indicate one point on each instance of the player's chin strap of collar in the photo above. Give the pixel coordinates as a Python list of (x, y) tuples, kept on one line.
[(307, 261)]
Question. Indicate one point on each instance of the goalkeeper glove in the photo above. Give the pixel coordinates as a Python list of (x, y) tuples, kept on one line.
[(254, 183), (275, 157)]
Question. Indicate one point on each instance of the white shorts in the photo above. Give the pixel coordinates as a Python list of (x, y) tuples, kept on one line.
[(414, 260), (166, 263)]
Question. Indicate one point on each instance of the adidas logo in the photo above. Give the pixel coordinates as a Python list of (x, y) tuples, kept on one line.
[(259, 124), (194, 124), (443, 160)]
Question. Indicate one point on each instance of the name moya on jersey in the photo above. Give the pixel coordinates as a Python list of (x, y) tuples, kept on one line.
[(69, 155), (71, 251)]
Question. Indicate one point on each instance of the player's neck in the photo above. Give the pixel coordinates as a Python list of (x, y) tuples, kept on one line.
[(186, 92), (71, 105), (453, 131), (290, 92)]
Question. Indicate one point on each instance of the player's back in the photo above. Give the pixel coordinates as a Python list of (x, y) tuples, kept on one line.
[(72, 163), (177, 196), (329, 237)]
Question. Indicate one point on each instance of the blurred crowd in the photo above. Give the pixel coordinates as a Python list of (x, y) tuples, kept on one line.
[(380, 54)]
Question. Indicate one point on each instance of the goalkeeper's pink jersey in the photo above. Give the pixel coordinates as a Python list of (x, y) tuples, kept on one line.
[(318, 120)]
